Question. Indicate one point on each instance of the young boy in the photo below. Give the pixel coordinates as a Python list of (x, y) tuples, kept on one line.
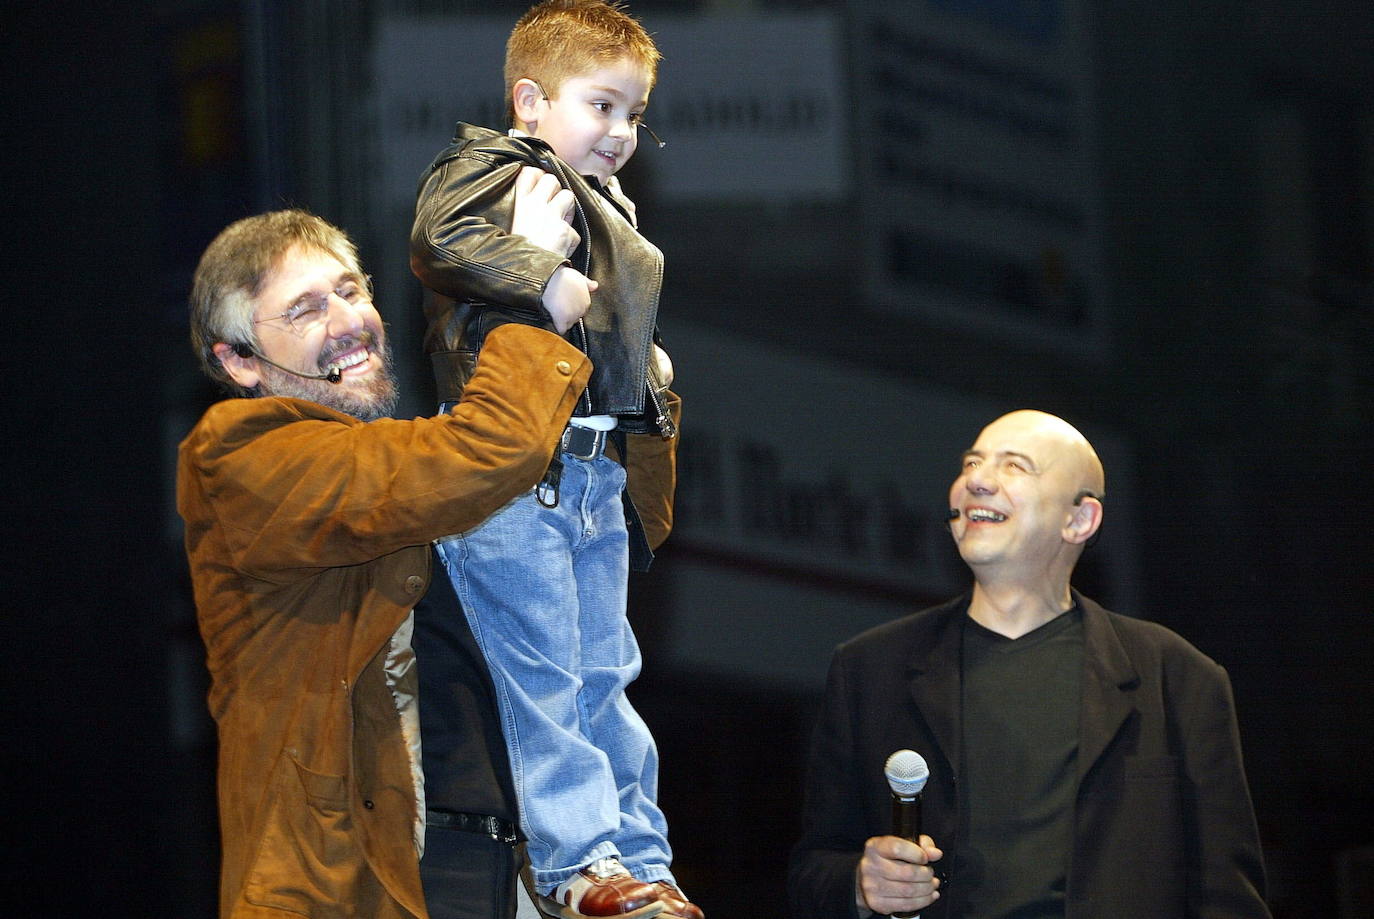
[(543, 582)]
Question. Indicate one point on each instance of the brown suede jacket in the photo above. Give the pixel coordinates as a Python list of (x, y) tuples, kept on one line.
[(307, 533)]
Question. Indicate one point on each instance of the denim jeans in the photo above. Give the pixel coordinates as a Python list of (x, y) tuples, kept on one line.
[(544, 593)]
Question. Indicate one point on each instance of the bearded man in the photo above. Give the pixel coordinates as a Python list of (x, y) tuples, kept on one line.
[(309, 518)]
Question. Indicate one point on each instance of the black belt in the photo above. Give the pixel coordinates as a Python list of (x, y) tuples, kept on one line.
[(494, 827)]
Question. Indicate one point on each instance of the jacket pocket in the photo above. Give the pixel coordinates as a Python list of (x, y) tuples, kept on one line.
[(306, 861), (1135, 807)]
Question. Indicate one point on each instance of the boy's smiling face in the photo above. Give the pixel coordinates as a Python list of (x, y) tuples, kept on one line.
[(591, 121)]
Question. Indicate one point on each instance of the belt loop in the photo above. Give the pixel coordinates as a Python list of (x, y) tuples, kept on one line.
[(546, 492)]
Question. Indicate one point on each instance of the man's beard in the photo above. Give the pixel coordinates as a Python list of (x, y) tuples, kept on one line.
[(377, 398)]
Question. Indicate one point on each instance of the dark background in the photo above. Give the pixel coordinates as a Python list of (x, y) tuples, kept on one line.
[(1247, 396)]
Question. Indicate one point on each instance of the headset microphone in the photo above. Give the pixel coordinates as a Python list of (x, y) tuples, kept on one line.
[(333, 376), (953, 514)]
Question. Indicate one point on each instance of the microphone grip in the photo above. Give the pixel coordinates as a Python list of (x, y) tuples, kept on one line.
[(906, 823), (906, 817)]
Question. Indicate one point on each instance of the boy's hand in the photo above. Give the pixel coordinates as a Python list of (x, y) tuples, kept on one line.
[(567, 296), (543, 209), (543, 212)]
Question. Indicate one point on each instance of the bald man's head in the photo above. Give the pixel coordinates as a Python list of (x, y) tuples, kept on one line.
[(1028, 494), (1060, 439)]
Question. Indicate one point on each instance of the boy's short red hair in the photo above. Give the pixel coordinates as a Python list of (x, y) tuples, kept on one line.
[(560, 39)]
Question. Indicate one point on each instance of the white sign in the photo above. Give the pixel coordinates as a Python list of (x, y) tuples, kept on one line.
[(751, 107)]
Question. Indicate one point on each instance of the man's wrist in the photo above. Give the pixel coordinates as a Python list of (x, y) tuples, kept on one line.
[(860, 904)]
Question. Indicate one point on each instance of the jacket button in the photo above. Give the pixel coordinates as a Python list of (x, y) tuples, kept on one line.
[(414, 584), (367, 803), (564, 368)]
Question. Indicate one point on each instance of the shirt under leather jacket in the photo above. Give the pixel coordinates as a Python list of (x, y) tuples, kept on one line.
[(479, 276)]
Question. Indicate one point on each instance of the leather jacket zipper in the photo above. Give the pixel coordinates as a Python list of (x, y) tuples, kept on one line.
[(584, 229), (662, 418)]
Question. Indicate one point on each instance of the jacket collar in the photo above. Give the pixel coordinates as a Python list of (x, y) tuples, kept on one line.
[(1108, 678), (933, 678)]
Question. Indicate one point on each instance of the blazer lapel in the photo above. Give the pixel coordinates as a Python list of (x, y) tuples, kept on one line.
[(1108, 675), (933, 680)]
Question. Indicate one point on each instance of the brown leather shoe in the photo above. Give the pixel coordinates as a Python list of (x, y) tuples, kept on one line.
[(675, 905), (605, 889)]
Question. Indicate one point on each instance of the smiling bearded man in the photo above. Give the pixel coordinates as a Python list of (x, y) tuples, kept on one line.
[(309, 518), (312, 331)]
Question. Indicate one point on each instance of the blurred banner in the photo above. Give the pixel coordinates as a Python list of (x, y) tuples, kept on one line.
[(979, 166), (752, 107)]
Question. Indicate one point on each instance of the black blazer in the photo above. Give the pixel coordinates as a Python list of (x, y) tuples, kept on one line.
[(1163, 825)]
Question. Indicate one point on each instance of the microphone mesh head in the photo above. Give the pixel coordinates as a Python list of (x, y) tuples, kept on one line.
[(906, 772)]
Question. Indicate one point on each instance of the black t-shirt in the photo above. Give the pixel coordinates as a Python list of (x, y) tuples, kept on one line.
[(1018, 778), (463, 754)]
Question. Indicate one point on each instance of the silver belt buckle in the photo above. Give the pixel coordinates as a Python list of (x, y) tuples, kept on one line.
[(583, 443)]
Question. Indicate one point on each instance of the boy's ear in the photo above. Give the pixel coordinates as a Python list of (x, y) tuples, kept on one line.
[(525, 98)]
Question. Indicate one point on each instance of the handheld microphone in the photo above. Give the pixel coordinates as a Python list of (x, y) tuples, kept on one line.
[(333, 376), (906, 773)]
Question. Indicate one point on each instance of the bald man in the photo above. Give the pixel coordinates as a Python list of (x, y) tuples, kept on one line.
[(1082, 763)]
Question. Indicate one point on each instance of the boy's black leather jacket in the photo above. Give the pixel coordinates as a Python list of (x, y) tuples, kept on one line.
[(479, 276)]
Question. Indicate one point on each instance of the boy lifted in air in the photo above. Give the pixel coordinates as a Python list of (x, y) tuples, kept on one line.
[(543, 582)]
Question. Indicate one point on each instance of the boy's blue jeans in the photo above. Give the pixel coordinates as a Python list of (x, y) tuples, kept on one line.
[(544, 592)]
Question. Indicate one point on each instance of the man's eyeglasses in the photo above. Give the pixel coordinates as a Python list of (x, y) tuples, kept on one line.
[(311, 308)]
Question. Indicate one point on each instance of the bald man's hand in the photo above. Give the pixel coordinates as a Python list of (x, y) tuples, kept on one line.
[(894, 876)]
